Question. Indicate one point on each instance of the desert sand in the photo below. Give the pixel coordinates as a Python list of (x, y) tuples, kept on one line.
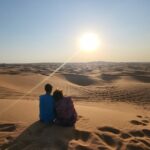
[(112, 101)]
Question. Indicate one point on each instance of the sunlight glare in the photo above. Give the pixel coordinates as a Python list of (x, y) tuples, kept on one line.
[(89, 42)]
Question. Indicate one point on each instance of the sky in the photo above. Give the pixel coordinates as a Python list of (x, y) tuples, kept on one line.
[(49, 30)]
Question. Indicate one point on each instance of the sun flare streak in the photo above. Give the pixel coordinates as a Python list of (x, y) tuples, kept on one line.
[(39, 84)]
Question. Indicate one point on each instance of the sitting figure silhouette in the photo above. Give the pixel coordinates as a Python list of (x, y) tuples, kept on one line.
[(47, 114), (65, 112)]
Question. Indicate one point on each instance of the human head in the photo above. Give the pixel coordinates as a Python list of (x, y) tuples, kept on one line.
[(58, 94), (48, 88)]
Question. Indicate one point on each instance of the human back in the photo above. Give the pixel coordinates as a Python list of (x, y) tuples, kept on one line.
[(65, 112), (46, 106)]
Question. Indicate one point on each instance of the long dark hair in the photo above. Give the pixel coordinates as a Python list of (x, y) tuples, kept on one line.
[(58, 95)]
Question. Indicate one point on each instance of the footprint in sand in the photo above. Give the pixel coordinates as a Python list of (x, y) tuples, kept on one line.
[(109, 129), (9, 127), (110, 140), (134, 147), (83, 135), (144, 142), (146, 132), (109, 135), (141, 140), (131, 140), (139, 116), (145, 121), (136, 133), (125, 136), (136, 122)]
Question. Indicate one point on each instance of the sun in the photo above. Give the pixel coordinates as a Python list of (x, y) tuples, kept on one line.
[(89, 42)]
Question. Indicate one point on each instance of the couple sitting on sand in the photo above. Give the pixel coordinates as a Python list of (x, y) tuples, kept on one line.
[(56, 108)]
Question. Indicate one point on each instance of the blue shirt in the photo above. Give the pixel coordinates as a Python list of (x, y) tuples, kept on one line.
[(46, 108)]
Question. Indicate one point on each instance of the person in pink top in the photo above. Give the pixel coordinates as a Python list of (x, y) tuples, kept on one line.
[(64, 108)]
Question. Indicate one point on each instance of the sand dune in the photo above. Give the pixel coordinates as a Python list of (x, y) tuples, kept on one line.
[(81, 87), (112, 101), (82, 80), (109, 77)]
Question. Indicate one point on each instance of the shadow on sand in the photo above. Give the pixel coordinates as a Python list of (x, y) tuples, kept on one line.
[(40, 136)]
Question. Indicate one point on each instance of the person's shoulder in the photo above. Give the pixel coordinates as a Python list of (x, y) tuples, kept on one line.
[(42, 96), (46, 96)]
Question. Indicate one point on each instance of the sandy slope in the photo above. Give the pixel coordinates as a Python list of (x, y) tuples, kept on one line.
[(112, 101), (81, 87), (100, 126)]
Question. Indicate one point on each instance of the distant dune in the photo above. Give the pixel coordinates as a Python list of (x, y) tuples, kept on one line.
[(82, 80), (91, 81)]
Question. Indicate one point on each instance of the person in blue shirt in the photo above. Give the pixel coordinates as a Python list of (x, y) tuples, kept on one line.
[(46, 104)]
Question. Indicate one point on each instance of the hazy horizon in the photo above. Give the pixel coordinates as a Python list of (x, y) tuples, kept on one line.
[(70, 62), (33, 31)]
